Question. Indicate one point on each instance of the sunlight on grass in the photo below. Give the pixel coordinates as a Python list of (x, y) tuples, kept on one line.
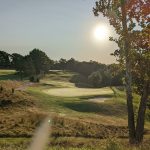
[(72, 92), (8, 75), (6, 72)]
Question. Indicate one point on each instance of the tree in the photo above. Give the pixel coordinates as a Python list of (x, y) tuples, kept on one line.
[(28, 66), (123, 16), (4, 60), (18, 63), (141, 75), (40, 60), (117, 74), (71, 64), (62, 63)]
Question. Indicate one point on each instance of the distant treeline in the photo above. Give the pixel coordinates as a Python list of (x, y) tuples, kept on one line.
[(92, 73), (37, 63)]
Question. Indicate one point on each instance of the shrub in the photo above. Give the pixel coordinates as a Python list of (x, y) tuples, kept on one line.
[(147, 115), (34, 79), (95, 79), (1, 89), (13, 90), (112, 145), (31, 79), (37, 80)]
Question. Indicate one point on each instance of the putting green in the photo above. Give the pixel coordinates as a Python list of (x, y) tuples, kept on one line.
[(72, 92)]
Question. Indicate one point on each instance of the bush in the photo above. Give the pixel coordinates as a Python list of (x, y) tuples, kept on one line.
[(83, 85), (79, 79), (113, 145), (95, 79), (13, 90), (1, 89), (31, 79), (34, 79), (38, 80), (147, 117)]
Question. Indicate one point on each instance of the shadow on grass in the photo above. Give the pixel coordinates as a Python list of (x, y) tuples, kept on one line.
[(48, 85), (96, 96), (109, 109)]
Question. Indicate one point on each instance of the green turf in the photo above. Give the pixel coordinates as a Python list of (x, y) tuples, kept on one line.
[(8, 75)]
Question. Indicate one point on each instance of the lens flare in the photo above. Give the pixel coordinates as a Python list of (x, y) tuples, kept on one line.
[(40, 138)]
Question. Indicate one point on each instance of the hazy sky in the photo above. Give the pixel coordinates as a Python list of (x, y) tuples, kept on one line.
[(61, 28)]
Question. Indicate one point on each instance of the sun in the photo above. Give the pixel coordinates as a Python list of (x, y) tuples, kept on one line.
[(101, 32)]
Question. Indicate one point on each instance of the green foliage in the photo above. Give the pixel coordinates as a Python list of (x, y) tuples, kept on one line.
[(112, 144), (110, 75), (9, 75), (34, 79), (80, 81), (17, 61), (40, 60), (4, 60), (28, 66), (95, 79), (13, 90), (130, 21), (147, 117), (1, 89), (31, 79), (37, 62)]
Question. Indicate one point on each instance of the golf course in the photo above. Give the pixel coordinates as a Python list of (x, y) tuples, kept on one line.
[(81, 118)]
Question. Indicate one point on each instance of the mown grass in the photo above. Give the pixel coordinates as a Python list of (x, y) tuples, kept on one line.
[(79, 106), (76, 92), (8, 75)]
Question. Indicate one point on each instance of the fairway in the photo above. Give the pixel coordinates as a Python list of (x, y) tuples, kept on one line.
[(73, 92), (6, 72), (8, 75)]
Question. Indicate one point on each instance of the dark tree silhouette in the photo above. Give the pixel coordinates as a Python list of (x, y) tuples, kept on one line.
[(5, 60)]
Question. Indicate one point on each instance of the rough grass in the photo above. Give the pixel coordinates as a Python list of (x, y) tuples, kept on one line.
[(9, 84), (19, 115), (72, 143), (7, 72)]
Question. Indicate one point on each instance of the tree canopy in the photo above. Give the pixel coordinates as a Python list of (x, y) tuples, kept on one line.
[(130, 20)]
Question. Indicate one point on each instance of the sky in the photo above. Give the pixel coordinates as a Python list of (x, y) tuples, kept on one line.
[(61, 28)]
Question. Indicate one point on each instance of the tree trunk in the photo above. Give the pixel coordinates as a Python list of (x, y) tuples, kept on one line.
[(141, 113), (131, 122), (21, 75)]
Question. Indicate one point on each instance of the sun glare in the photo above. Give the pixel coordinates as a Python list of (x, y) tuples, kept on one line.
[(101, 33)]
